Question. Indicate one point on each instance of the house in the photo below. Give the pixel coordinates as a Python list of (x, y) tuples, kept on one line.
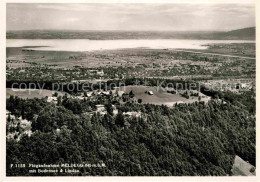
[(101, 73), (132, 114), (243, 85), (100, 108), (115, 110), (150, 92), (105, 93), (80, 97), (52, 99), (22, 71)]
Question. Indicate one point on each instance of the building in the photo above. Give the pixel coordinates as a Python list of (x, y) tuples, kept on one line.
[(100, 73), (105, 93), (115, 110), (52, 99), (150, 92), (132, 114), (100, 108)]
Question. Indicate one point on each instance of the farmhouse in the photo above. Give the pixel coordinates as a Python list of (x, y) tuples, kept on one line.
[(52, 99), (100, 108), (150, 92)]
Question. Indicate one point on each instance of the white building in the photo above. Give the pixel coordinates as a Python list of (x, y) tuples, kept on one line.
[(150, 92), (132, 114)]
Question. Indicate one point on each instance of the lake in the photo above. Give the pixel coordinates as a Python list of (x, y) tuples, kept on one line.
[(94, 45)]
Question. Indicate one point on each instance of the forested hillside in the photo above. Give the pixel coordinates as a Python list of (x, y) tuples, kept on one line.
[(189, 139)]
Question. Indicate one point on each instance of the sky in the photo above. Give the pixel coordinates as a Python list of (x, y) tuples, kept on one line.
[(126, 16)]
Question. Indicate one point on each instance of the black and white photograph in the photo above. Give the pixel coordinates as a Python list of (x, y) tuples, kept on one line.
[(130, 89)]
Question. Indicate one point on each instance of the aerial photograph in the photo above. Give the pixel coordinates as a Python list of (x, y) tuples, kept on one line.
[(130, 89)]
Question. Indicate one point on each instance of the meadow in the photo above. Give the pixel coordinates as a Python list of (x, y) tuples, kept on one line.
[(160, 96), (31, 93)]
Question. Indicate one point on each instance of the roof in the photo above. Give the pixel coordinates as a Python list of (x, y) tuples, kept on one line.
[(136, 114), (150, 92), (100, 105)]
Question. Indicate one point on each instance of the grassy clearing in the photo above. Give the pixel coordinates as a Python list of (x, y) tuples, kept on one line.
[(242, 168), (159, 97), (26, 93)]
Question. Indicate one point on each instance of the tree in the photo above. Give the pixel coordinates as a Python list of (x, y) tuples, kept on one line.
[(85, 93), (65, 96), (140, 101), (55, 94), (9, 118), (252, 170), (59, 102), (131, 94), (120, 119), (109, 108), (74, 105)]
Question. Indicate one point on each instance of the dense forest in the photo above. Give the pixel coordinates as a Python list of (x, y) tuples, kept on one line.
[(189, 139)]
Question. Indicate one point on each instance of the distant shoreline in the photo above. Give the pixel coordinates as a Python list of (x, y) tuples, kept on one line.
[(240, 34)]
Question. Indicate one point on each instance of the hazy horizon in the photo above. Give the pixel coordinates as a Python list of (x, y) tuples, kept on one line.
[(77, 30), (130, 17)]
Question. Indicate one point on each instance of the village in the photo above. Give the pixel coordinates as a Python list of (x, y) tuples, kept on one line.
[(120, 64)]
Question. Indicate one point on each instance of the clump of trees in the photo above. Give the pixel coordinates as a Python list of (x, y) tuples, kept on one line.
[(185, 95)]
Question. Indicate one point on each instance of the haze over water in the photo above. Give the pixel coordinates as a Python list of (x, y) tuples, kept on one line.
[(81, 45)]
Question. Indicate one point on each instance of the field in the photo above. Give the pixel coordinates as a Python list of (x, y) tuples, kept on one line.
[(16, 57), (234, 49), (26, 93), (242, 168), (160, 96)]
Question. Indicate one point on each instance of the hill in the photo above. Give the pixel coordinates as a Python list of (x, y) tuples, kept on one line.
[(245, 33), (241, 34)]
